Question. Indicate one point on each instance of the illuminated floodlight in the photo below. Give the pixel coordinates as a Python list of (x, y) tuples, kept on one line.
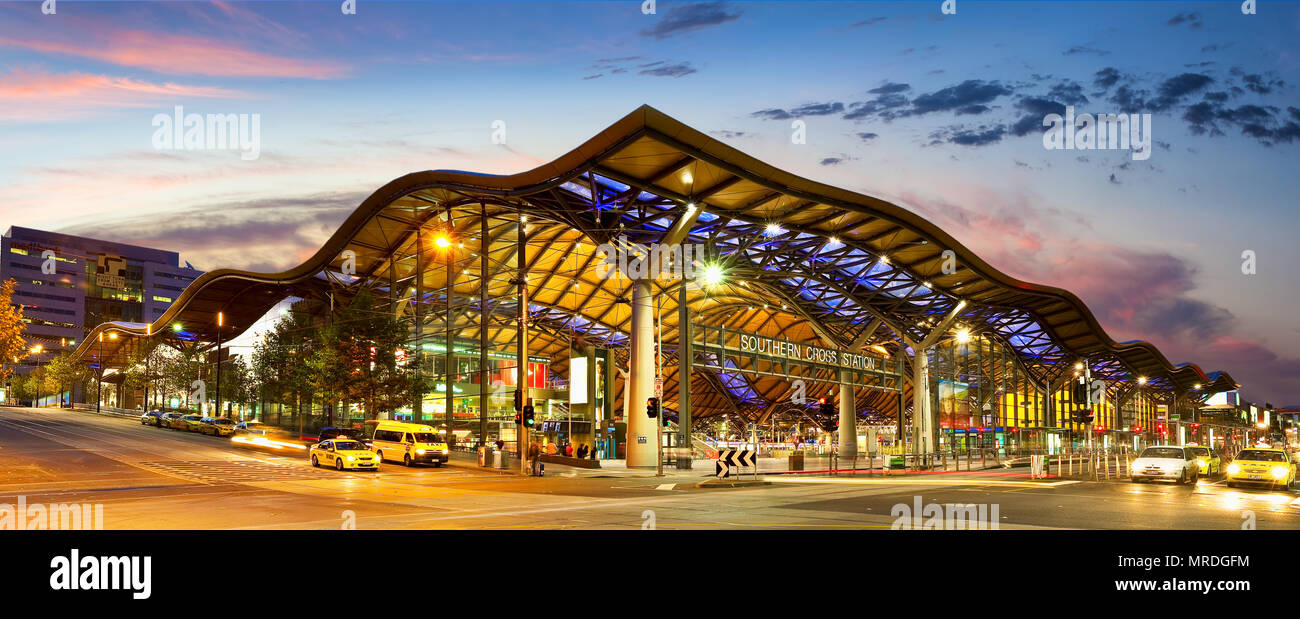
[(176, 326), (712, 274), (1142, 380), (963, 336), (774, 229), (442, 241)]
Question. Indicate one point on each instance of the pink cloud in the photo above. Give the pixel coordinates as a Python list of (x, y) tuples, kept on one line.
[(179, 54), (42, 96), (1135, 294)]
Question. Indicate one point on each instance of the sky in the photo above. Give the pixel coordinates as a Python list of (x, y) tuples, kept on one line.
[(939, 113)]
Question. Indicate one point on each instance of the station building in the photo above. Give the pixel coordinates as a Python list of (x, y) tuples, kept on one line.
[(69, 284), (653, 260)]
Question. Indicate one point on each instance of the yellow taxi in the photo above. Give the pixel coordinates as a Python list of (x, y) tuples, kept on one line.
[(1208, 460), (1260, 465), (191, 423), (344, 453)]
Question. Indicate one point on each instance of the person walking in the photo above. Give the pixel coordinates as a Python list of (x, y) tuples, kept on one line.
[(534, 456)]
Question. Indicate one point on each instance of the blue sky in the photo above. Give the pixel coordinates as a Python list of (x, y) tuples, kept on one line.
[(349, 102)]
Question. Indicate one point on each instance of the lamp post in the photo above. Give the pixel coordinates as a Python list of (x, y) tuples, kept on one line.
[(36, 350), (220, 321), (99, 381)]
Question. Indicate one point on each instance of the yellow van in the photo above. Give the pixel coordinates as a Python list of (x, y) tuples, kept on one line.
[(409, 443)]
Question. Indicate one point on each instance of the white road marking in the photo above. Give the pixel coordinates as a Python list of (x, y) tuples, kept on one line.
[(905, 481)]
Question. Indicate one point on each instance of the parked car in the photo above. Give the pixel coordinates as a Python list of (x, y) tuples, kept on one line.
[(217, 426), (189, 423), (151, 418)]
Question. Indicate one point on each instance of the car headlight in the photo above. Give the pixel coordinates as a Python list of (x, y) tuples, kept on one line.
[(1135, 468), (1234, 468), (352, 458), (446, 451), (420, 451), (1280, 472)]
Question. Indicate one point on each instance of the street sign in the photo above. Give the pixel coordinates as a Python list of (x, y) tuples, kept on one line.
[(734, 458), (659, 387)]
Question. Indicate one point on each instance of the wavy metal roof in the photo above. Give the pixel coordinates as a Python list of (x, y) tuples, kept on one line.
[(818, 263)]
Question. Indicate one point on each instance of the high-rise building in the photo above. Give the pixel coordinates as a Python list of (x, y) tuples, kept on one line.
[(68, 284)]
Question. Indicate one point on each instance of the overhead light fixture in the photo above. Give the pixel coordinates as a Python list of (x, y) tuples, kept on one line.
[(1142, 380), (963, 336), (712, 274)]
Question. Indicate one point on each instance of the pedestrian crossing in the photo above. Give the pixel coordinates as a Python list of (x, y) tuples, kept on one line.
[(241, 471)]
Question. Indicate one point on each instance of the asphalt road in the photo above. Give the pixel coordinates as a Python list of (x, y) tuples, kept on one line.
[(149, 478)]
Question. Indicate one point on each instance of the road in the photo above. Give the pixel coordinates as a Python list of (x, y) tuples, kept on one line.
[(148, 478)]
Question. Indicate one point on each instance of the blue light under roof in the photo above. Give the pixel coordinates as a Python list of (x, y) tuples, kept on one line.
[(581, 190), (609, 182)]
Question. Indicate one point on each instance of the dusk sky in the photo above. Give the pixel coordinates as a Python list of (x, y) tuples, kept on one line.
[(941, 114)]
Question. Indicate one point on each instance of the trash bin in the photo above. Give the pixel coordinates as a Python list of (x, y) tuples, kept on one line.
[(896, 462), (796, 461), (503, 459), (486, 456)]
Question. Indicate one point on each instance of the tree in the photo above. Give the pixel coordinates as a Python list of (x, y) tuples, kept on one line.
[(13, 347), (62, 372), (278, 365), (358, 359)]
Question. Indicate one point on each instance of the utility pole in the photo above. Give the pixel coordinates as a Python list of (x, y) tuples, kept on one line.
[(521, 377), (659, 381), (220, 321)]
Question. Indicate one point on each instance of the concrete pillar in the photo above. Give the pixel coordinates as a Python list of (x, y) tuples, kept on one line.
[(922, 416), (848, 417), (641, 430), (685, 360)]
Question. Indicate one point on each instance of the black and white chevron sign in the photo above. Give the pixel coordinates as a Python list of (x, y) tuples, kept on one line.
[(732, 458)]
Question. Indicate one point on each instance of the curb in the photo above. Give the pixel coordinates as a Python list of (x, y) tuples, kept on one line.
[(713, 483)]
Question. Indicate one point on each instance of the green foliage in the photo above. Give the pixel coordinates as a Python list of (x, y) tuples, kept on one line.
[(13, 347)]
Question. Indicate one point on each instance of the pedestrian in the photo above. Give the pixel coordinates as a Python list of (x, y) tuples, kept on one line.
[(534, 455), (582, 451), (501, 445), (568, 450)]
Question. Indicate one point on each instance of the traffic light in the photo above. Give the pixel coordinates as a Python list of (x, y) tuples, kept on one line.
[(1085, 416), (528, 416), (519, 402), (519, 418), (652, 407), (1079, 392), (825, 408)]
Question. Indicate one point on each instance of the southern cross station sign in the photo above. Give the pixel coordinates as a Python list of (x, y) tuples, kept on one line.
[(729, 350), (806, 352)]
